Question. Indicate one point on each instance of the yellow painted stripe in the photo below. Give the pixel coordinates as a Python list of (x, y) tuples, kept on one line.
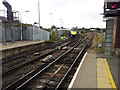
[(110, 75)]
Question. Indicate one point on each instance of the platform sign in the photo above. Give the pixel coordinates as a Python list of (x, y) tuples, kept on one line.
[(111, 8)]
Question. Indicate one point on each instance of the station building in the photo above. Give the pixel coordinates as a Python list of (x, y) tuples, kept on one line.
[(112, 33), (116, 35)]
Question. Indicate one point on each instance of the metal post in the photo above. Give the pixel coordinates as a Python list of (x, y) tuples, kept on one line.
[(39, 13), (13, 33), (61, 26), (3, 35), (33, 32), (61, 22), (21, 23), (52, 19), (51, 23)]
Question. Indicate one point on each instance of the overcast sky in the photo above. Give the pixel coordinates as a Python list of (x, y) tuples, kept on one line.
[(68, 13)]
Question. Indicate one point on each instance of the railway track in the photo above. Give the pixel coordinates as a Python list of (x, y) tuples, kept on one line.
[(23, 69), (20, 59), (51, 73), (27, 54)]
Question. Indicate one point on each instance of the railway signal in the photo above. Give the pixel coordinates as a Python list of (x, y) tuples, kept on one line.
[(113, 5), (111, 9)]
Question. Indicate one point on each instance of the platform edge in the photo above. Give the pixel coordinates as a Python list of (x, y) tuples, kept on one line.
[(75, 75)]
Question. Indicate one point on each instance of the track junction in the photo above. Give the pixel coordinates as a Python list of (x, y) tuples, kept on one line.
[(49, 67)]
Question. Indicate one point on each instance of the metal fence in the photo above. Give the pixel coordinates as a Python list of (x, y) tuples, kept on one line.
[(35, 33), (13, 33), (9, 33)]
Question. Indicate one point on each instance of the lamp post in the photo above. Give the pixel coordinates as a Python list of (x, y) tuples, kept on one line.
[(51, 22), (61, 25), (21, 23), (39, 13), (61, 22), (52, 19)]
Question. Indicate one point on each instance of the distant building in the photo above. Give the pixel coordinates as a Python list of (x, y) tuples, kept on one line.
[(92, 29), (61, 31)]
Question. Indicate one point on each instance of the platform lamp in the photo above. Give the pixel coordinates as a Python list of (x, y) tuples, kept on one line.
[(39, 13), (51, 22)]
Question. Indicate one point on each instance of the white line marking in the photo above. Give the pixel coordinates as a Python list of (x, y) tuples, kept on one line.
[(75, 75)]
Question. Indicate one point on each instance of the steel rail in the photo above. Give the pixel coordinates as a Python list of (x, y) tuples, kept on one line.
[(34, 59), (5, 60), (22, 79), (42, 70), (80, 53)]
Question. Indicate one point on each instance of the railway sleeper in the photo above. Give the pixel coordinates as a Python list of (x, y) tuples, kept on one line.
[(47, 87), (56, 79)]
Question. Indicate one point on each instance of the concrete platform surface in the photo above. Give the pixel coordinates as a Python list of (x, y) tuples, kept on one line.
[(113, 62), (95, 72), (87, 76), (9, 45)]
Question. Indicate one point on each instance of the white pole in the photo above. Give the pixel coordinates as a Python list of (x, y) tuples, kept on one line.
[(51, 22), (21, 23), (52, 19), (39, 12), (61, 23)]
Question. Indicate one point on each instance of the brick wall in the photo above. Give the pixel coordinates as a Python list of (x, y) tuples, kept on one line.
[(117, 39)]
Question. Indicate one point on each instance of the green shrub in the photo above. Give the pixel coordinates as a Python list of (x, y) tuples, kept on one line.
[(54, 37)]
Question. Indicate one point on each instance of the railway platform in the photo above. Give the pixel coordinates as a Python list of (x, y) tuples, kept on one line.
[(11, 48), (15, 44), (96, 71)]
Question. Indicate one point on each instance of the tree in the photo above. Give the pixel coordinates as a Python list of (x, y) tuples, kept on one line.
[(98, 29), (83, 28), (53, 27), (62, 27), (54, 37), (41, 27), (47, 29)]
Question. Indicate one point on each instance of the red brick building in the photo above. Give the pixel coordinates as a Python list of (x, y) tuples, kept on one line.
[(116, 34)]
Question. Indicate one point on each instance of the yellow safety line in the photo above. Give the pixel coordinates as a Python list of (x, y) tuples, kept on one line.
[(110, 75)]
